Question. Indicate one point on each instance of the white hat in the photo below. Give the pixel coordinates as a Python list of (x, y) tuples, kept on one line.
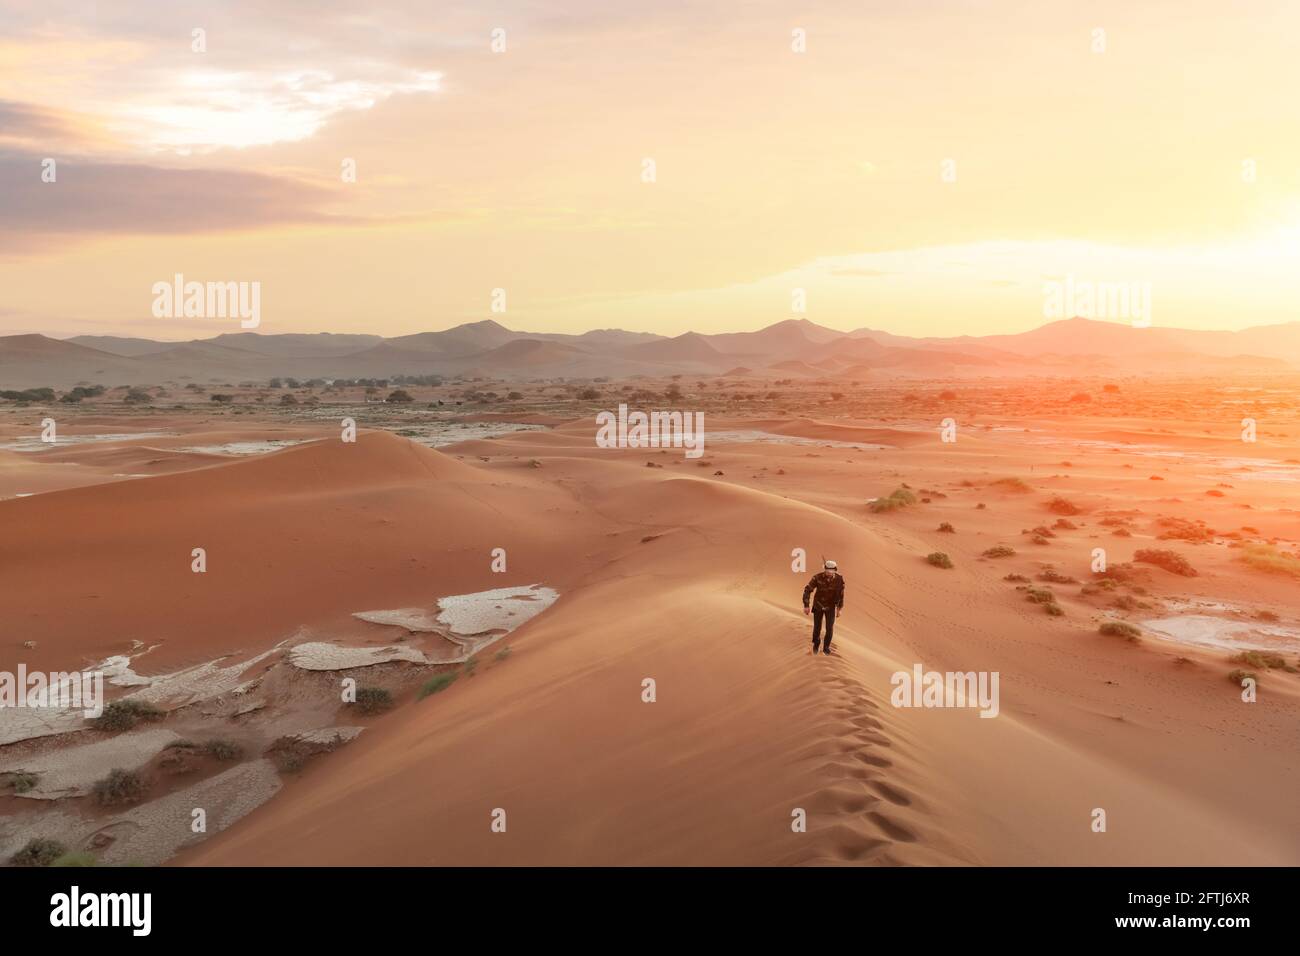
[(831, 566)]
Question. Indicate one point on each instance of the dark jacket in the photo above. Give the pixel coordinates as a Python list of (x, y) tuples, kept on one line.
[(829, 586)]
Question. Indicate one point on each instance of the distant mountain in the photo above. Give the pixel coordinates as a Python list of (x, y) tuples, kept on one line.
[(689, 347), (795, 347), (116, 345), (1114, 340)]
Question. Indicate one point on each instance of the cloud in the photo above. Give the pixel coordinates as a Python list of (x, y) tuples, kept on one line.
[(91, 198)]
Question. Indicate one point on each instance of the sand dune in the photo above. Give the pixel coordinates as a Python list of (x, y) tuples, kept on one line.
[(682, 573)]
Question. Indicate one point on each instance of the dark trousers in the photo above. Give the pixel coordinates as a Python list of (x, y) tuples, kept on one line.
[(818, 614)]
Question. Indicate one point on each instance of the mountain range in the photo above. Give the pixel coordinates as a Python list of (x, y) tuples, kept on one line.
[(795, 348)]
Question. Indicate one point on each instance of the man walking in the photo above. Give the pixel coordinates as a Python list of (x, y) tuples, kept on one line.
[(829, 602)]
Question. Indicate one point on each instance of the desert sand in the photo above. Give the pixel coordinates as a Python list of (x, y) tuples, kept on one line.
[(680, 571)]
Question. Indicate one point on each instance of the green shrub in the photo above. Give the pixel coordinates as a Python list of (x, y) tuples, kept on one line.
[(999, 551), (76, 859), (1263, 557), (900, 497), (373, 700), (223, 749), (947, 528), (22, 782), (38, 852), (125, 714), (438, 683), (1120, 629), (939, 559), (1238, 676), (1262, 659), (1017, 485), (1169, 560), (120, 786)]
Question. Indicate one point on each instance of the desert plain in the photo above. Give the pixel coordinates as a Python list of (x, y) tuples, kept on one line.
[(512, 725)]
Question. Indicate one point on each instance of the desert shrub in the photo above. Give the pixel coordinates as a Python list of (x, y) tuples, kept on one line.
[(1016, 578), (125, 714), (1062, 506), (373, 700), (221, 398), (1054, 576), (76, 859), (939, 559), (503, 653), (1180, 529), (1120, 629), (1065, 524), (22, 782), (437, 683), (399, 395), (120, 786), (999, 551), (137, 396), (1054, 609), (1263, 557), (1017, 485), (947, 528), (1239, 675), (1262, 659), (29, 395), (38, 852), (1171, 561), (1040, 596), (898, 498), (223, 749), (288, 399), (291, 753)]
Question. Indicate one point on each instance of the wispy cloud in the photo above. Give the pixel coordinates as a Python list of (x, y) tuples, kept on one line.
[(91, 198)]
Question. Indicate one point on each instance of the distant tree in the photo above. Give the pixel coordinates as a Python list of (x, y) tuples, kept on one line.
[(221, 398), (400, 396), (288, 399)]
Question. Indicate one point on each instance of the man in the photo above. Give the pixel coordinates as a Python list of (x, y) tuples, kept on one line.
[(827, 604)]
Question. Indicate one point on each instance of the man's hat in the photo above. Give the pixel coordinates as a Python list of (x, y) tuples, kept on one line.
[(830, 566)]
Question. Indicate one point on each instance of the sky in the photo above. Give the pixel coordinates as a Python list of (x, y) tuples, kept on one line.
[(924, 168)]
